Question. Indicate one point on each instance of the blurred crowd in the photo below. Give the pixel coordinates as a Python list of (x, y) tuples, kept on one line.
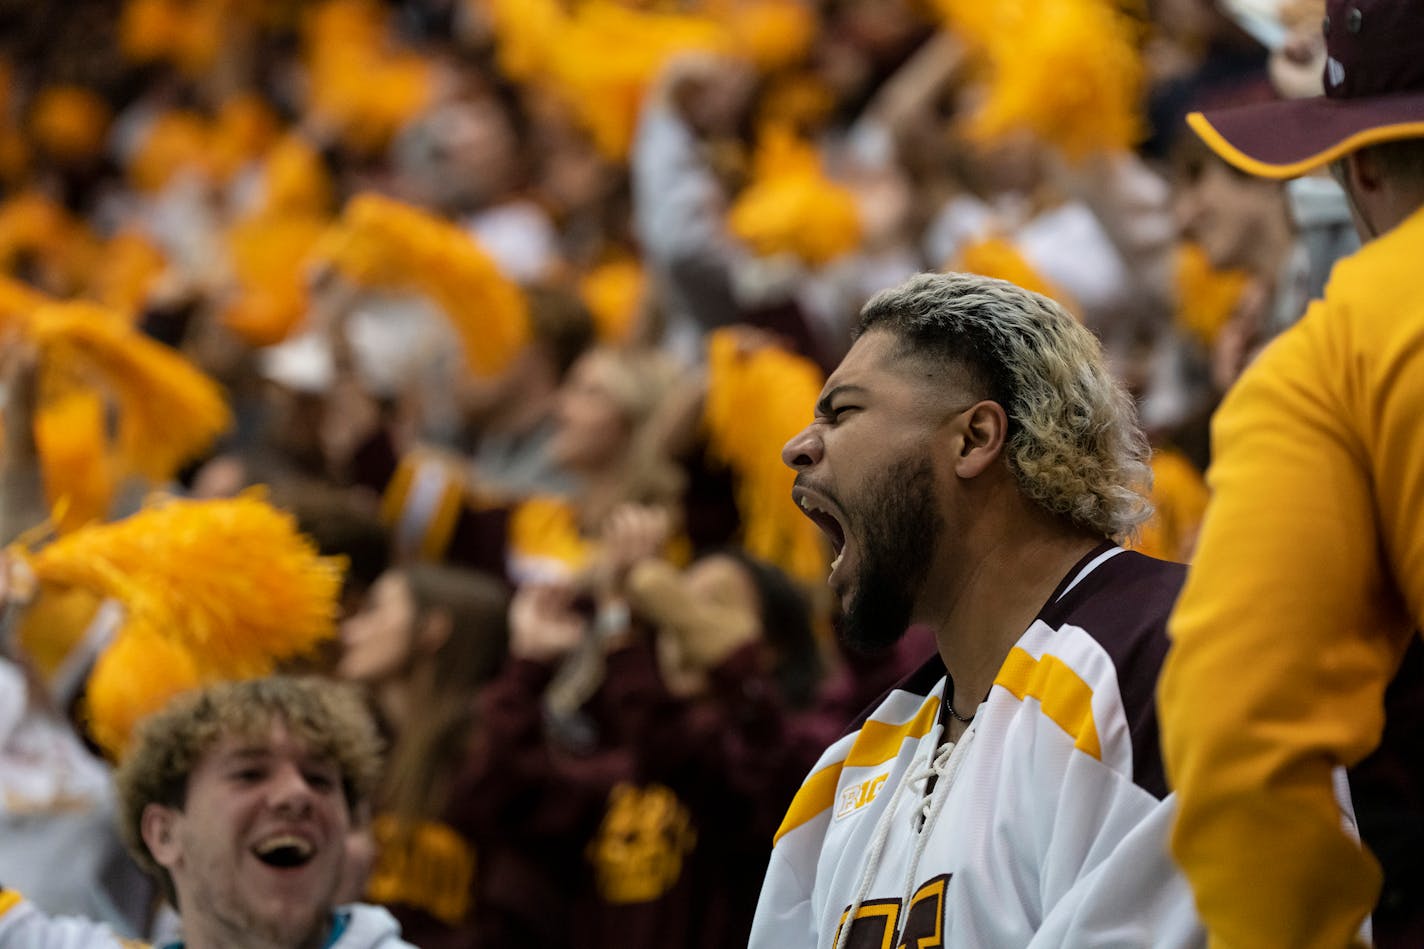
[(507, 307)]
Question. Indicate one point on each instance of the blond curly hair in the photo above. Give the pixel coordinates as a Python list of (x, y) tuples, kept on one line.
[(1073, 444), (329, 718)]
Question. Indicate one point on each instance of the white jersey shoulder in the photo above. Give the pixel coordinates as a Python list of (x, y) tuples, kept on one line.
[(1029, 831), (24, 926)]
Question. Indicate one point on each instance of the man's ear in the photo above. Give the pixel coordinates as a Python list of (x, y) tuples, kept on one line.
[(1362, 170), (158, 827), (981, 433)]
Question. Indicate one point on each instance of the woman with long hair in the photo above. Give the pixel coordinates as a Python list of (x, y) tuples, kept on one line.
[(425, 642)]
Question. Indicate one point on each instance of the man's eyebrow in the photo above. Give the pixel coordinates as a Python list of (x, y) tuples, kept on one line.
[(823, 404)]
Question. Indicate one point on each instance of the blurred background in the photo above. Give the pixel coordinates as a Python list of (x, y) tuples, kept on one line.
[(508, 307)]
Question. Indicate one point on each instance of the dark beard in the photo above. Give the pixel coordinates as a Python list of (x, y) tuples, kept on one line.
[(899, 530)]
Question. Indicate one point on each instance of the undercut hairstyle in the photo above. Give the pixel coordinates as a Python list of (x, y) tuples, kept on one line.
[(1073, 443), (329, 719)]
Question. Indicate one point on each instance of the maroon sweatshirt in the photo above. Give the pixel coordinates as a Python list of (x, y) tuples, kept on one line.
[(658, 836)]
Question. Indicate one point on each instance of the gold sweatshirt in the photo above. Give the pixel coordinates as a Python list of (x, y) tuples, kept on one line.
[(1305, 589)]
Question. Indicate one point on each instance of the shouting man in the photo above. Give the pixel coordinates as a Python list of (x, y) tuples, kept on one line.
[(974, 463)]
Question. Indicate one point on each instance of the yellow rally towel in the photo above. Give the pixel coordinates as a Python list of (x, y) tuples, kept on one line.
[(382, 243), (757, 399), (791, 207), (1069, 71)]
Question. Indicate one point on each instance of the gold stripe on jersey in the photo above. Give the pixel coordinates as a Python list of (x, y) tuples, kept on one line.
[(424, 527), (876, 743), (442, 523), (1063, 696), (817, 794), (9, 899)]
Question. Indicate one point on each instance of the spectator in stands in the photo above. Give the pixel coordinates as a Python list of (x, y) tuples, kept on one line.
[(426, 640), (1308, 585), (238, 798)]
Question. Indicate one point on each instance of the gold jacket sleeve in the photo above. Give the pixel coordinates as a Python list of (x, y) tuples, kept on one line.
[(1306, 585)]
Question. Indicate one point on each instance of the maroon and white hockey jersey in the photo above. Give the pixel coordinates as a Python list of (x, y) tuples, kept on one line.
[(1046, 824)]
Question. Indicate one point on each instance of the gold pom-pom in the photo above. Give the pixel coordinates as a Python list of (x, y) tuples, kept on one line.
[(773, 34), (61, 245), (1179, 498), (607, 92), (126, 272), (270, 249), (999, 258), (757, 399), (30, 222), (17, 301), (359, 85), (136, 676), (294, 180), (1068, 71), (168, 411), (525, 31), (232, 581), (178, 141), (790, 207), (569, 54), (209, 591), (54, 630), (1206, 297), (69, 122), (382, 243), (72, 443), (185, 33), (269, 257), (614, 293), (244, 130), (206, 29), (149, 30)]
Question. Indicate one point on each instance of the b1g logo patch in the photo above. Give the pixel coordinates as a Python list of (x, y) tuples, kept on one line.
[(857, 796)]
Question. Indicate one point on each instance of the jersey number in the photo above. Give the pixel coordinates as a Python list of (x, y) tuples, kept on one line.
[(878, 923)]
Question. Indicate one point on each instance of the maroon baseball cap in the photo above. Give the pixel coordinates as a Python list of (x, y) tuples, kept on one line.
[(1374, 92)]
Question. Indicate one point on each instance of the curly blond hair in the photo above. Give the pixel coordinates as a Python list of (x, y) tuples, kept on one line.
[(1073, 444), (329, 718)]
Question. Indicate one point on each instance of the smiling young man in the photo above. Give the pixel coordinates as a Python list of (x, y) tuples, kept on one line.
[(239, 797), (972, 462)]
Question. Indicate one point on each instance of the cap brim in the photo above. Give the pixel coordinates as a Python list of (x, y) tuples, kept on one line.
[(1286, 139)]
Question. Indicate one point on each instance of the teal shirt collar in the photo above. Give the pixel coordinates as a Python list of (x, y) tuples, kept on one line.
[(340, 920)]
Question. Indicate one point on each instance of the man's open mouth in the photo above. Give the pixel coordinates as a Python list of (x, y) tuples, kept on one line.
[(829, 524), (284, 851)]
